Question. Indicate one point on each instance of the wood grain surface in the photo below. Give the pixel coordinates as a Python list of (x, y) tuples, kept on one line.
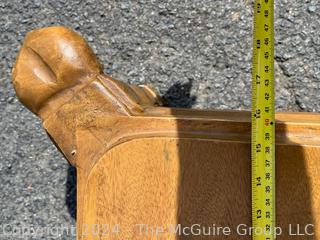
[(141, 163)]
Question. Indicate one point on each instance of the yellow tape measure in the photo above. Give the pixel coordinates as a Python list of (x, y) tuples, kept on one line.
[(263, 122)]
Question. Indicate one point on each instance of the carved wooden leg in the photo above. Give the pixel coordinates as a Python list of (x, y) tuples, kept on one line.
[(147, 168)]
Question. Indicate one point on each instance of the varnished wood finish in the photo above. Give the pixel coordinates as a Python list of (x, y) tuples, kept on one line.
[(140, 163)]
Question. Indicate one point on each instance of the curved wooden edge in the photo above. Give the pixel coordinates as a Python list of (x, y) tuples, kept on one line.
[(101, 116), (58, 77), (87, 113)]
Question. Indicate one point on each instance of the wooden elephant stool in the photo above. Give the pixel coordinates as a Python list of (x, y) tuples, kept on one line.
[(145, 171)]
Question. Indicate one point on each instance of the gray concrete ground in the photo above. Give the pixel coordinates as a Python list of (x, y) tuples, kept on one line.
[(197, 53)]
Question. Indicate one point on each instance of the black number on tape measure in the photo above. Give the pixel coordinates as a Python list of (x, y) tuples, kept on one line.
[(258, 147), (267, 163), (266, 109), (266, 27), (268, 202), (266, 41), (268, 176), (268, 215), (267, 96), (257, 79), (259, 213), (266, 68), (257, 114), (258, 181), (268, 189), (268, 227), (266, 55), (267, 136), (258, 7), (258, 43), (266, 13), (266, 82), (267, 150)]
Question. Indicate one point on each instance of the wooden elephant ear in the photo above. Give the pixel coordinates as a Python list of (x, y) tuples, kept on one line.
[(51, 60)]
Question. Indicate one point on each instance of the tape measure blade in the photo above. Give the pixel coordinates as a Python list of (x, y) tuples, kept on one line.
[(263, 121)]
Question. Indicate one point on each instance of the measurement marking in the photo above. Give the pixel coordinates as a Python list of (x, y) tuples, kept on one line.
[(263, 121)]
